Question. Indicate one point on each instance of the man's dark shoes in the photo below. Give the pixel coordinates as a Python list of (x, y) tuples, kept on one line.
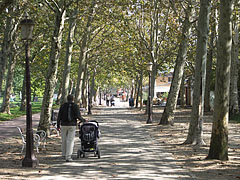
[(69, 160)]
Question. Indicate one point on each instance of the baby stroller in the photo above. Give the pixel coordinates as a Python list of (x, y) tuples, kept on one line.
[(88, 134)]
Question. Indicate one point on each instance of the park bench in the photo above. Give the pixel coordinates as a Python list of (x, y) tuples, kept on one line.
[(39, 138), (53, 127)]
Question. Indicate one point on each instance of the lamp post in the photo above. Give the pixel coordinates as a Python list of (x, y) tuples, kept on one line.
[(149, 119), (30, 159)]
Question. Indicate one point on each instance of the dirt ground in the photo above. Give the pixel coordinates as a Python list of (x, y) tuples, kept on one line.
[(188, 156), (192, 157)]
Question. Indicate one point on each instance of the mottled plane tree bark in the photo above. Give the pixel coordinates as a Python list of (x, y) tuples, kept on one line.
[(233, 104), (210, 56), (151, 38), (83, 52), (168, 114), (51, 78), (9, 57), (5, 48), (195, 131), (219, 137), (5, 107), (68, 58)]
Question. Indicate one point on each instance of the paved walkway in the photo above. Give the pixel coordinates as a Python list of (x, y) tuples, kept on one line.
[(127, 152)]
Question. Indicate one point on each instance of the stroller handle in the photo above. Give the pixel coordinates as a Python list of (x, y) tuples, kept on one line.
[(88, 121)]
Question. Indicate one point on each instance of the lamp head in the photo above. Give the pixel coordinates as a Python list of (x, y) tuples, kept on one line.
[(149, 66), (26, 28)]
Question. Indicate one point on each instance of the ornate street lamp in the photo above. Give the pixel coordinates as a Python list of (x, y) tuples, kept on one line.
[(149, 119), (30, 159)]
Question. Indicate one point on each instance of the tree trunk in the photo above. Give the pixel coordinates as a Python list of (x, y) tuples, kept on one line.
[(5, 49), (83, 51), (234, 109), (182, 92), (70, 91), (219, 138), (84, 89), (209, 77), (137, 91), (92, 87), (46, 111), (59, 96), (67, 65), (168, 114), (140, 90), (9, 52), (195, 131), (5, 107)]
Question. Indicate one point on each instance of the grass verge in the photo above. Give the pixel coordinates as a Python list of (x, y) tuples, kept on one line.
[(15, 111)]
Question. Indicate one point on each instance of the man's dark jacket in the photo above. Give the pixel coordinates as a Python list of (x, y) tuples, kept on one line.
[(63, 116)]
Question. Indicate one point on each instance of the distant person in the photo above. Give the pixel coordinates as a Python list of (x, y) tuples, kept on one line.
[(131, 102), (107, 100), (68, 114), (112, 100)]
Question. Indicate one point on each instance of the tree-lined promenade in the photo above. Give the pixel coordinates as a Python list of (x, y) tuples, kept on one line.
[(130, 149), (88, 48)]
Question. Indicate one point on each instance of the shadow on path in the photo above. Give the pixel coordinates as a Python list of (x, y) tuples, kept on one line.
[(127, 152)]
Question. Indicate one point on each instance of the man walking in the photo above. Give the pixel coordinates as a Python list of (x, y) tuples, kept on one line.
[(68, 114)]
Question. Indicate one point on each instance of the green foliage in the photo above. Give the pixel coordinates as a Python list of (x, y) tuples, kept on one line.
[(15, 112), (18, 79), (119, 45)]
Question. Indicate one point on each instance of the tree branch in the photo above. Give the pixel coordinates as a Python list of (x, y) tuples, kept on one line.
[(49, 5)]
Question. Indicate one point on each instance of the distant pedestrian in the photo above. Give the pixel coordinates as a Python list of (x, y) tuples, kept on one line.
[(131, 102), (67, 118), (112, 100), (107, 100)]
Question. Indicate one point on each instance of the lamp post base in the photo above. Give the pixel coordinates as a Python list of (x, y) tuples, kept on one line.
[(30, 162), (30, 159)]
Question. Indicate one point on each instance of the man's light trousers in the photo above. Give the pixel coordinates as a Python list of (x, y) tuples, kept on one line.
[(68, 135)]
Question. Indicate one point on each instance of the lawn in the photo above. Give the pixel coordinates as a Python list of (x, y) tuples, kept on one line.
[(15, 112)]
